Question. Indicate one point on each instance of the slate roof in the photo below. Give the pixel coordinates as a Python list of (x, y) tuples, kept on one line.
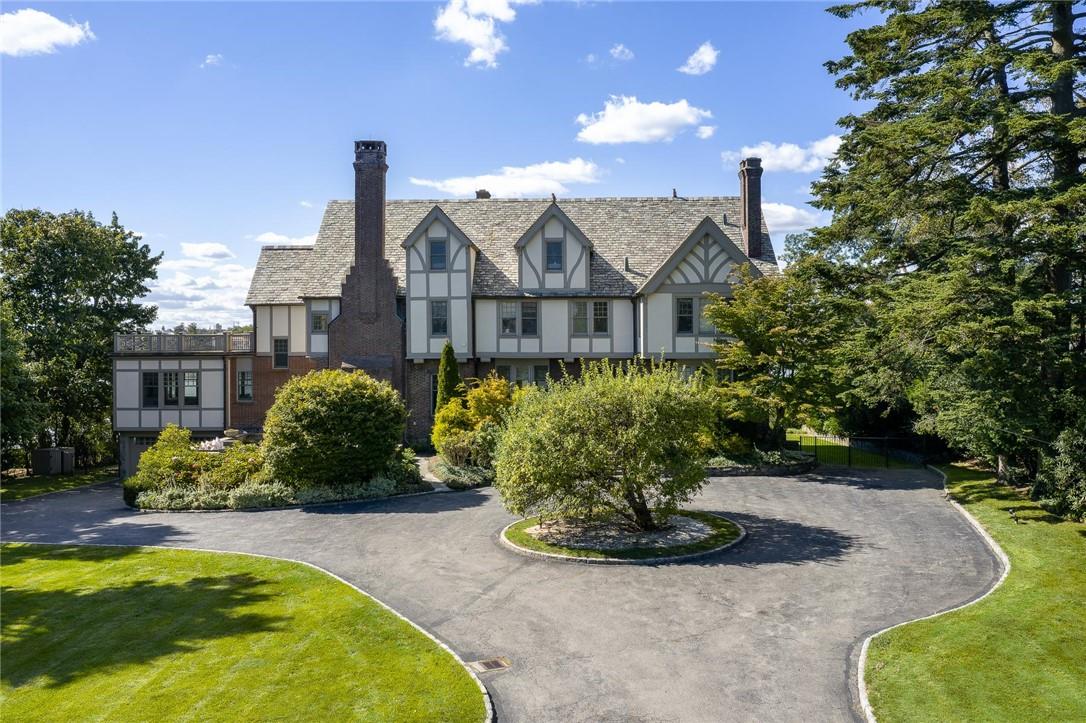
[(647, 230)]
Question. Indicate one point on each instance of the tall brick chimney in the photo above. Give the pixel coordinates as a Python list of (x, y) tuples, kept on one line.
[(368, 334), (750, 202)]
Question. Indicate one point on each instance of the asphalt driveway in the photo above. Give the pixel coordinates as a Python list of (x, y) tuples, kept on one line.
[(766, 631)]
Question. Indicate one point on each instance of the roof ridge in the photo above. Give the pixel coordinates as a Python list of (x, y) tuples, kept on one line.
[(466, 199), (286, 247)]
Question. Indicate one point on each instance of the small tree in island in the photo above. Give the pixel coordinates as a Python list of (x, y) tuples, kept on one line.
[(619, 440)]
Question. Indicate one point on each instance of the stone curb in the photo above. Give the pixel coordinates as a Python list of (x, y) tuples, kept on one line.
[(1000, 555), (488, 716), (552, 557)]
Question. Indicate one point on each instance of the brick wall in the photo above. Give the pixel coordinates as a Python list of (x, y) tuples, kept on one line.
[(418, 397), (266, 380)]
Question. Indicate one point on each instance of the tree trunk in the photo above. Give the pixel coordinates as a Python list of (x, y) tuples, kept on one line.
[(640, 508)]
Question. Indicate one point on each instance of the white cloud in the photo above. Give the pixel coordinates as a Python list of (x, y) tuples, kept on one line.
[(789, 156), (212, 60), (475, 23), (701, 61), (31, 32), (621, 52), (706, 132), (620, 160), (206, 251), (535, 180), (305, 204), (624, 119), (271, 237), (216, 296), (590, 58), (782, 218)]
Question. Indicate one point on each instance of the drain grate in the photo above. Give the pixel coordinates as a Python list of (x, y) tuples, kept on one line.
[(484, 666)]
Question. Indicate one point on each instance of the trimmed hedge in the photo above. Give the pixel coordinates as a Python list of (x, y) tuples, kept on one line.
[(332, 427)]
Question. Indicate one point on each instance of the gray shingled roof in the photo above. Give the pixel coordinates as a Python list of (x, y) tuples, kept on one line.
[(647, 230)]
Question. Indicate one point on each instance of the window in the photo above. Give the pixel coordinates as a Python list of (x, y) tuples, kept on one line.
[(279, 351), (529, 318), (438, 253), (580, 317), (319, 321), (508, 312), (684, 315), (439, 318), (170, 391), (192, 389), (599, 317), (705, 327), (539, 374), (150, 389), (505, 371), (245, 385), (433, 394), (554, 254)]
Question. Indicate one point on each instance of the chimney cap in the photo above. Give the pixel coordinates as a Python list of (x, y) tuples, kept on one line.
[(482, 193), (370, 149), (752, 162)]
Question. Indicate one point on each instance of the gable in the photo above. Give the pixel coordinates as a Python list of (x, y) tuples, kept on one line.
[(706, 258), (553, 254)]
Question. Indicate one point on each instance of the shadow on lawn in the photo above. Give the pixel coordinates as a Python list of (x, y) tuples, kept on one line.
[(57, 636), (771, 540)]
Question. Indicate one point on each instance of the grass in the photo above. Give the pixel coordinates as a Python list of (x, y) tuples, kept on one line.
[(19, 488), (1017, 655), (723, 533), (100, 633)]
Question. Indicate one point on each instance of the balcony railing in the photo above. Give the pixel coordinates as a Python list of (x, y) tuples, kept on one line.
[(223, 343)]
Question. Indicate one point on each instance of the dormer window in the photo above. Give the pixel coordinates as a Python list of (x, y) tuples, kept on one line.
[(438, 254), (554, 254)]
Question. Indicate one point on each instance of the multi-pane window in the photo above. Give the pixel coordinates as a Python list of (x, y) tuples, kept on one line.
[(524, 374), (150, 389), (245, 385), (439, 318), (438, 254), (171, 393), (529, 318), (684, 315), (508, 313), (279, 353), (599, 317), (580, 317), (553, 250), (319, 321), (539, 374), (192, 389)]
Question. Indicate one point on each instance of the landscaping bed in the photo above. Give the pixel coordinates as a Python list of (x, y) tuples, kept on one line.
[(760, 464), (461, 477), (1018, 654), (127, 633), (687, 533)]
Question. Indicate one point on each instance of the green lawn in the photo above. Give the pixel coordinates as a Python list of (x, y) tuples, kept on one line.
[(18, 488), (1019, 654), (99, 633), (723, 533)]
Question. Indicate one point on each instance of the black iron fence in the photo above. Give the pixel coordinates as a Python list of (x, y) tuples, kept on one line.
[(888, 452)]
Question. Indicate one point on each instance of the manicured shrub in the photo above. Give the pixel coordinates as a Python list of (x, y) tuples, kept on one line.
[(449, 384), (1062, 480), (462, 477), (374, 488), (451, 419), (619, 440), (403, 470), (332, 427), (238, 463), (170, 461), (488, 399), (260, 494)]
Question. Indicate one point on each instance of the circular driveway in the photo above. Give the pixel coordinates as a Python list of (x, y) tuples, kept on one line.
[(765, 631)]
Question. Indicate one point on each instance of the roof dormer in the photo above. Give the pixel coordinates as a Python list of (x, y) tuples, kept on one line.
[(554, 255)]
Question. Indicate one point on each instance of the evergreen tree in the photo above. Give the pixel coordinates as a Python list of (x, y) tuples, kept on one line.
[(19, 407), (449, 384), (959, 217)]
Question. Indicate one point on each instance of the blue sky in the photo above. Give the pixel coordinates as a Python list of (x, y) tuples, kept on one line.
[(213, 127)]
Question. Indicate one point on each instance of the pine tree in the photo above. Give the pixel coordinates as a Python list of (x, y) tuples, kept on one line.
[(449, 384), (959, 216)]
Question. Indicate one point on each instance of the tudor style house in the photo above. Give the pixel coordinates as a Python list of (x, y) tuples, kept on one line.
[(517, 286)]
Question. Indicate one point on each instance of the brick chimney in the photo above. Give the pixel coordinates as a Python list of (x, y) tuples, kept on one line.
[(368, 334), (750, 203), (369, 201)]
